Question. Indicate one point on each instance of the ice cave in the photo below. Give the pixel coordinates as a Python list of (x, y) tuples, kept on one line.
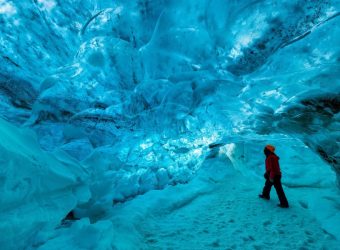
[(142, 124)]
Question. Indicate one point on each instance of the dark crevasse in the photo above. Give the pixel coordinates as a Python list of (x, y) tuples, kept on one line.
[(137, 95)]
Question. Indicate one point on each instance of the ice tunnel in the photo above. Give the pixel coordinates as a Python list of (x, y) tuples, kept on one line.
[(141, 124)]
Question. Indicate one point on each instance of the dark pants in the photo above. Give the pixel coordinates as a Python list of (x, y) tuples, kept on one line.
[(278, 187)]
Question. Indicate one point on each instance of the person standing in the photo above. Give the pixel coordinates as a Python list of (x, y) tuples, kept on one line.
[(273, 177)]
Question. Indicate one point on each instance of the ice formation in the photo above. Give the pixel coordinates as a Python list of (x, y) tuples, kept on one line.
[(119, 110)]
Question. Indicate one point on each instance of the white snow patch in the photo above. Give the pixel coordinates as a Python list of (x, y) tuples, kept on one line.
[(7, 8)]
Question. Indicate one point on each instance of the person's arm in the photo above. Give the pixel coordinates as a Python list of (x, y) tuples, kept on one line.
[(274, 168), (267, 164)]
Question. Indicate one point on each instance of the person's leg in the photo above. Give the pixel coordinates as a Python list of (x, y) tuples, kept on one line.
[(280, 192), (266, 189)]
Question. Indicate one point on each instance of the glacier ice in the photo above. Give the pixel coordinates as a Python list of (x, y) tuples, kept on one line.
[(37, 188), (106, 102)]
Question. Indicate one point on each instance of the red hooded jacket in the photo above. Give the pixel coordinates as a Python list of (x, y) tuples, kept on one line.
[(273, 166)]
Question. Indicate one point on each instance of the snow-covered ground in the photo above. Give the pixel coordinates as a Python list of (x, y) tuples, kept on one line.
[(223, 211), (219, 209)]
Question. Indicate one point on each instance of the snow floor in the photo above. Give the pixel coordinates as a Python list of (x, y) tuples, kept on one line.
[(218, 209), (235, 220), (221, 210)]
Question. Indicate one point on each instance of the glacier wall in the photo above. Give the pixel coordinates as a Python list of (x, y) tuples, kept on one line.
[(100, 73), (37, 188)]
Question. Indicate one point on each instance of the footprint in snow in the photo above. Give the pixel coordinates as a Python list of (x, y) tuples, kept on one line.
[(266, 223), (308, 233), (303, 204)]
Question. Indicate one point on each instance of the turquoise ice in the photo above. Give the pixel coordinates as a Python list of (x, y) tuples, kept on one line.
[(148, 118)]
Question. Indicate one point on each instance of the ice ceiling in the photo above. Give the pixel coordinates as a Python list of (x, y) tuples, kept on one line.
[(140, 91), (149, 79)]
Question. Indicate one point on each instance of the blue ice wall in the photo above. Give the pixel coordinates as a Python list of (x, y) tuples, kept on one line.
[(139, 93), (144, 89)]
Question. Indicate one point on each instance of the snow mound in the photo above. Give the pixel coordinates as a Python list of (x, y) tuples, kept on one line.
[(37, 188)]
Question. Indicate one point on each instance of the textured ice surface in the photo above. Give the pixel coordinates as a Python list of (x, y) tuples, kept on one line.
[(37, 188), (140, 93)]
